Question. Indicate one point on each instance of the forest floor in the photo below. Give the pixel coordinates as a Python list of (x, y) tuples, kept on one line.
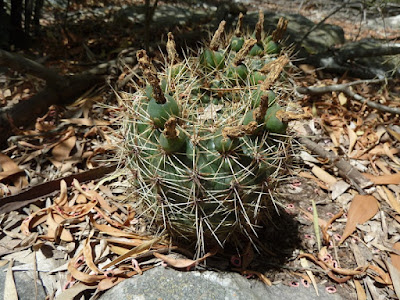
[(341, 235)]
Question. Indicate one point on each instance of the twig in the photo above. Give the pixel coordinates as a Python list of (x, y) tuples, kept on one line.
[(345, 169), (345, 88)]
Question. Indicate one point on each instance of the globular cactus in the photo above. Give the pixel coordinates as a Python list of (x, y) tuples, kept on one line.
[(206, 139)]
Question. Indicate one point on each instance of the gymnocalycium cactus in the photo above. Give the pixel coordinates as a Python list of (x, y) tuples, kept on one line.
[(206, 137)]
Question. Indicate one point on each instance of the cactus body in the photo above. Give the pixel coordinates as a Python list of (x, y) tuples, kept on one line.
[(206, 159)]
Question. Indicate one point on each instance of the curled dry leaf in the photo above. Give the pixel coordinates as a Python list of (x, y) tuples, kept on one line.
[(383, 277), (108, 219), (10, 168), (109, 282), (116, 232), (62, 199), (33, 220), (76, 211), (55, 229), (87, 253), (84, 277), (362, 208), (260, 275), (182, 263), (81, 276)]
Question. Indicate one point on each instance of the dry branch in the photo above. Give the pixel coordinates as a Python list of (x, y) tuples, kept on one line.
[(59, 90), (345, 88), (35, 193), (19, 63), (345, 169)]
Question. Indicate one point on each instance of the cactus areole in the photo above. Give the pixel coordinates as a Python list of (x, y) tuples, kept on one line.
[(206, 144)]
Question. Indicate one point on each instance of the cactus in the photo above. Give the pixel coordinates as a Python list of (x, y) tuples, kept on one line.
[(206, 142)]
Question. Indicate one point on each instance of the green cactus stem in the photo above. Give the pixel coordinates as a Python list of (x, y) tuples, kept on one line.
[(172, 140), (237, 40), (258, 48), (160, 113), (273, 44), (272, 123)]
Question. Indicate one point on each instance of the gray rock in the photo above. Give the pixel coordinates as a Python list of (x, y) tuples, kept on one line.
[(24, 283), (166, 283)]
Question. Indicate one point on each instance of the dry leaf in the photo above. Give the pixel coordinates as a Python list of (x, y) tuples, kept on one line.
[(109, 282), (352, 139), (62, 199), (304, 264), (74, 291), (10, 168), (323, 175), (377, 151), (78, 275), (136, 250), (361, 295), (384, 179), (383, 166), (389, 153), (118, 250), (210, 112), (395, 134), (10, 290), (86, 122), (342, 100), (55, 230), (395, 276), (394, 257), (87, 253), (124, 241), (181, 263), (362, 208), (339, 188), (382, 277), (391, 199), (116, 232), (62, 151), (33, 220), (260, 275)]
